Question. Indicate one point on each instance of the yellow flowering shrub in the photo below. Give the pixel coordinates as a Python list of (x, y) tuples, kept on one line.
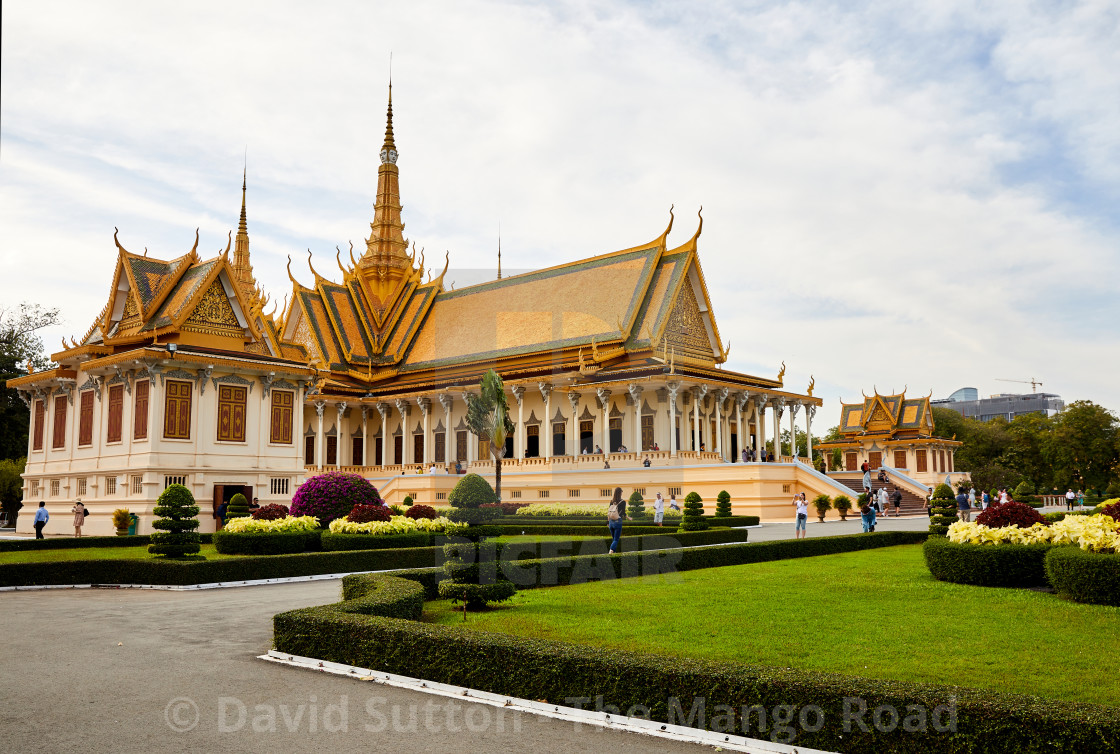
[(561, 510), (291, 524), (398, 525), (1097, 533)]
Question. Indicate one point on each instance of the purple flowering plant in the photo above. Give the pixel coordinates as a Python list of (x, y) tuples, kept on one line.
[(333, 495)]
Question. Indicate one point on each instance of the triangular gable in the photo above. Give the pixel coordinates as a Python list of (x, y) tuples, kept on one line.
[(851, 418), (345, 318)]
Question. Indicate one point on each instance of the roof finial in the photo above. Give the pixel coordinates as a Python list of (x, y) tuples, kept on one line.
[(242, 227), (389, 116), (499, 250)]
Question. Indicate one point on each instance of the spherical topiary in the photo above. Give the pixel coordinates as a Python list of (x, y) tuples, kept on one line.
[(635, 505), (421, 511), (723, 503), (333, 495), (1010, 514), (693, 518), (470, 492), (943, 510), (364, 514), (238, 507), (270, 512), (176, 536), (407, 501)]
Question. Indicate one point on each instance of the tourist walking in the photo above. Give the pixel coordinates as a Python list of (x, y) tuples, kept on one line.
[(1081, 498), (985, 500), (673, 502), (41, 519), (658, 509), (802, 508), (616, 511), (80, 513), (971, 497), (882, 501), (964, 511), (896, 501), (1003, 496), (866, 477), (1070, 497)]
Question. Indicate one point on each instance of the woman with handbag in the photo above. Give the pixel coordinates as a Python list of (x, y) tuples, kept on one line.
[(80, 512), (616, 511)]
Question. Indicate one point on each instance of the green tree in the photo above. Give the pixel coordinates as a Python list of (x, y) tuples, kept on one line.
[(635, 505), (488, 417), (723, 503), (20, 347), (176, 536), (1029, 450), (693, 518), (11, 485), (1083, 448)]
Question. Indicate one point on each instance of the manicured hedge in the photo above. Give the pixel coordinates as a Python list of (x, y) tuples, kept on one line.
[(584, 530), (601, 520), (1084, 576), (986, 565), (382, 595), (559, 672), (260, 543), (332, 541), (77, 543)]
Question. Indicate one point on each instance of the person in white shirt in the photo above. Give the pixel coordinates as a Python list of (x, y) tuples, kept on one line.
[(802, 516), (658, 509), (1070, 497)]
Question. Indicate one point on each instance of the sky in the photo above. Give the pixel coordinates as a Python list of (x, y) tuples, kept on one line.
[(895, 195)]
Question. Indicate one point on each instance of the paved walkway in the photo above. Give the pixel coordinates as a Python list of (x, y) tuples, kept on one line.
[(66, 685)]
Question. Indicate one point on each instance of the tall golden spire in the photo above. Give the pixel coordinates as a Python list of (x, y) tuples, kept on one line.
[(386, 250), (242, 267)]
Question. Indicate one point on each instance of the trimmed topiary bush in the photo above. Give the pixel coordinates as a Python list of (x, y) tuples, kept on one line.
[(842, 504), (176, 535), (469, 493), (987, 565), (823, 503), (723, 504), (363, 514), (1024, 492), (238, 507), (693, 518), (270, 512), (943, 510), (333, 495), (635, 505), (1082, 576), (421, 511), (1010, 514), (259, 543), (407, 501), (475, 578)]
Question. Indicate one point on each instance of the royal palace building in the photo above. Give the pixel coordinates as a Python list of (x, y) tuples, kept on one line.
[(188, 375)]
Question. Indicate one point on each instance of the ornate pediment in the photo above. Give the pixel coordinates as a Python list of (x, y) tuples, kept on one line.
[(686, 332), (214, 315)]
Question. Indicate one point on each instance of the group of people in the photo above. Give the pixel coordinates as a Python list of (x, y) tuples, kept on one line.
[(1074, 497), (220, 514), (616, 514), (751, 455)]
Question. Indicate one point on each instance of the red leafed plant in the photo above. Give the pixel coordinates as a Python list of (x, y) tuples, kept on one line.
[(270, 512), (1010, 514), (363, 514), (1112, 510), (421, 511)]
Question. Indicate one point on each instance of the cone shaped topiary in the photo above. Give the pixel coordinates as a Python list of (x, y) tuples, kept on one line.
[(176, 535), (693, 518), (943, 510), (474, 576), (635, 505), (238, 507), (468, 494), (723, 503)]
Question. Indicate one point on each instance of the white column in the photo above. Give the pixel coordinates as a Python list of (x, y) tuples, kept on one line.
[(760, 426), (365, 437), (793, 407), (406, 446), (720, 398), (810, 409), (383, 409), (573, 442), (340, 434), (740, 401), (319, 407), (778, 404), (546, 440), (519, 433), (449, 444), (425, 404), (472, 438), (672, 387), (636, 396), (696, 418), (605, 402)]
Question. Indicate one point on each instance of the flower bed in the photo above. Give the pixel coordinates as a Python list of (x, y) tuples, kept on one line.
[(1097, 533), (577, 511), (397, 525), (275, 526), (279, 536)]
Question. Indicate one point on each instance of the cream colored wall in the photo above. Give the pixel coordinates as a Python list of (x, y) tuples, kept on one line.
[(202, 459)]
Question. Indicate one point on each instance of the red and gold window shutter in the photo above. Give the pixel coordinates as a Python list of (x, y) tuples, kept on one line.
[(231, 413), (283, 402), (40, 423), (140, 420), (116, 412), (59, 422), (177, 417), (85, 418)]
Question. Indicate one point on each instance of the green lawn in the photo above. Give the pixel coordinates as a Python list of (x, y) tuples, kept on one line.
[(95, 553), (876, 613)]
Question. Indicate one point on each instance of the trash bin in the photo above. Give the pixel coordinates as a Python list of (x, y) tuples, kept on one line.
[(133, 522)]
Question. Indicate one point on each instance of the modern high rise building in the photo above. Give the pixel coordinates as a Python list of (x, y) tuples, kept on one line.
[(967, 402)]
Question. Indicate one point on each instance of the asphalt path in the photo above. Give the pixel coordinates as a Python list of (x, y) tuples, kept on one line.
[(134, 670)]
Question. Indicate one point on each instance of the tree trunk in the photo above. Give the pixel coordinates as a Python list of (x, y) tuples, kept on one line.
[(498, 477)]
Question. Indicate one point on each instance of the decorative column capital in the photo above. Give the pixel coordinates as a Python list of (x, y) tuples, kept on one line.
[(425, 404), (573, 401), (700, 391), (446, 400), (546, 390), (383, 409), (365, 413), (604, 396), (794, 406), (518, 393), (721, 397), (673, 387), (341, 406), (403, 406), (810, 411), (635, 391), (320, 406)]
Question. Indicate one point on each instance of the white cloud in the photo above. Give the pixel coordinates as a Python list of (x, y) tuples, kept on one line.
[(893, 195)]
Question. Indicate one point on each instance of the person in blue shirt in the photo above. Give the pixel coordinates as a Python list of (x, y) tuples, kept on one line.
[(41, 518)]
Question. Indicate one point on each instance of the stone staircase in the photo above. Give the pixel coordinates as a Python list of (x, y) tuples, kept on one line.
[(912, 505)]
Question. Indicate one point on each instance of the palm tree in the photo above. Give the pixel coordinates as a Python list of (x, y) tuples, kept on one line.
[(488, 417)]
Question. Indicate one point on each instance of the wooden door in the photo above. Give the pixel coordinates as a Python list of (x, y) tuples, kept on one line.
[(418, 448), (461, 445), (875, 459), (850, 461)]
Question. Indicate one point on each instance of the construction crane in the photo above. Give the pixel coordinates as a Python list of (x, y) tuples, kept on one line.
[(1035, 384)]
